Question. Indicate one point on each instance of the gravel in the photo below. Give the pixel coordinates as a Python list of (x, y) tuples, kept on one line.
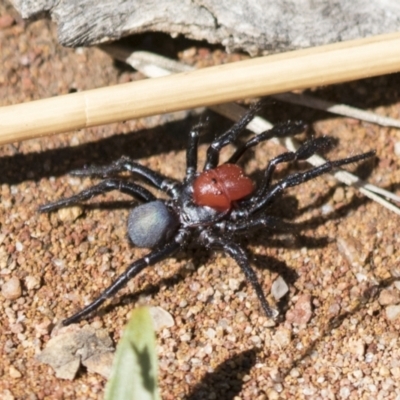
[(11, 290), (336, 338)]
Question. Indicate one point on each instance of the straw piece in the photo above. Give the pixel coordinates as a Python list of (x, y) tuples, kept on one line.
[(339, 109), (300, 69)]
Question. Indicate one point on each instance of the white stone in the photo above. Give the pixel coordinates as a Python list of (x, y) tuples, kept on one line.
[(279, 288)]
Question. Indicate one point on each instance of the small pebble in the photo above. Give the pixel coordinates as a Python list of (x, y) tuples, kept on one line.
[(97, 324), (283, 337), (351, 249), (194, 286), (389, 250), (16, 328), (384, 371), (12, 290), (338, 196), (43, 328), (294, 373), (234, 284), (334, 309), (32, 282), (357, 348), (6, 395), (395, 371), (183, 303), (211, 333), (389, 297), (205, 295), (327, 209), (272, 394), (6, 21), (397, 149), (208, 349), (279, 288), (185, 337), (161, 318), (14, 373), (344, 392), (302, 311), (392, 312), (70, 213), (275, 375), (358, 374)]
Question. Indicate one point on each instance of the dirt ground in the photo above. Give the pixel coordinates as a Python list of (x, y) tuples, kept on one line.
[(339, 334)]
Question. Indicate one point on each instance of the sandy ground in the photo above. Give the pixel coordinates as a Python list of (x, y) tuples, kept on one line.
[(339, 334)]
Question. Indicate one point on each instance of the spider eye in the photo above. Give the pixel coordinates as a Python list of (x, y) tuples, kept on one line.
[(151, 224)]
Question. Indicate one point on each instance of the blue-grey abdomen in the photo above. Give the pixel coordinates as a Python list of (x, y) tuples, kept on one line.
[(151, 224)]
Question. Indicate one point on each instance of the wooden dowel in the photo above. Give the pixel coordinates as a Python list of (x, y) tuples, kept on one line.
[(339, 62)]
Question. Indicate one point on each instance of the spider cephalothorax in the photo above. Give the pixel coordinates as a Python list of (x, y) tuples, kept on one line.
[(212, 207)]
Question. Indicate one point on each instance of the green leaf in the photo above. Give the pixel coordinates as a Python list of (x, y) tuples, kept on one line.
[(134, 372)]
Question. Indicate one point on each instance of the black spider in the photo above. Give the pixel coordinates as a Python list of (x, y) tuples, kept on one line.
[(211, 207)]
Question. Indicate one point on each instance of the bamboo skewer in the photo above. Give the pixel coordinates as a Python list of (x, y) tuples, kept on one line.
[(299, 69)]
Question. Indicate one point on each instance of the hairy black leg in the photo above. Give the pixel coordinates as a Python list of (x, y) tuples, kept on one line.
[(168, 185), (246, 225), (239, 255), (191, 153), (229, 136), (297, 179), (279, 130), (105, 186), (305, 151), (136, 267)]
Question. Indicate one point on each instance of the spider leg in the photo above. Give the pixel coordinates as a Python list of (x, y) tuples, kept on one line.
[(168, 185), (229, 136), (297, 179), (105, 186), (254, 223), (239, 255), (133, 269), (191, 153), (303, 152), (280, 130)]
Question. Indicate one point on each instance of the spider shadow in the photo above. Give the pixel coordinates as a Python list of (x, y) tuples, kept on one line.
[(295, 239), (153, 289), (226, 378), (168, 137), (171, 136)]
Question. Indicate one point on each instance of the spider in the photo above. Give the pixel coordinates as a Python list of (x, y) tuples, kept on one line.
[(212, 207)]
